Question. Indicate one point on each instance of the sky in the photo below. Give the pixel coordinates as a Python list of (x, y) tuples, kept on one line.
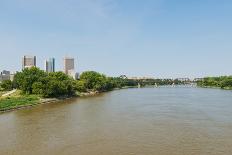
[(154, 38)]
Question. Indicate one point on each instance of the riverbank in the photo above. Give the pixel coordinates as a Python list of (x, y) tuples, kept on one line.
[(215, 87), (222, 82), (18, 101)]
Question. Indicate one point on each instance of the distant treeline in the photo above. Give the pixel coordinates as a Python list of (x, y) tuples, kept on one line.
[(55, 84), (159, 82), (224, 82)]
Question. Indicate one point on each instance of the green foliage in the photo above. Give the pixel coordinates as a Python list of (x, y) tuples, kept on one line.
[(92, 79), (25, 79), (37, 88), (159, 82), (224, 82), (6, 85), (79, 85), (96, 81), (118, 82), (36, 81), (12, 102)]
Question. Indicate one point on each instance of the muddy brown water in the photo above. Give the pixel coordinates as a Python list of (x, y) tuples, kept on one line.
[(146, 121)]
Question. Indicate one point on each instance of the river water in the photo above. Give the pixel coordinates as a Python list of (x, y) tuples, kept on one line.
[(146, 121)]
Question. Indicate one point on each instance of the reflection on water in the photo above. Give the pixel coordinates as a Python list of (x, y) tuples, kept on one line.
[(149, 121)]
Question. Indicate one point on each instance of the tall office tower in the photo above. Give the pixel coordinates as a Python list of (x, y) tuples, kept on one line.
[(50, 65), (69, 65), (28, 61)]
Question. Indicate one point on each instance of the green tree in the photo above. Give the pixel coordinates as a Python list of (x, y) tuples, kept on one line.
[(221, 82), (6, 85), (36, 81), (80, 85), (25, 79), (226, 83), (58, 84), (92, 79)]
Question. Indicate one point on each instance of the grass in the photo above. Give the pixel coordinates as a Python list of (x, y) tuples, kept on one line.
[(17, 101)]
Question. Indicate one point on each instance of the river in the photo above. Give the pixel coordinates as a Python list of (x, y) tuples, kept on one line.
[(145, 121)]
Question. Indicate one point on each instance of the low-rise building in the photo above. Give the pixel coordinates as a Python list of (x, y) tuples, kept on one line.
[(198, 79), (12, 77), (183, 79), (4, 75), (140, 78)]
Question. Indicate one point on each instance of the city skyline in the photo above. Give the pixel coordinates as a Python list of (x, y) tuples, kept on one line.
[(156, 38)]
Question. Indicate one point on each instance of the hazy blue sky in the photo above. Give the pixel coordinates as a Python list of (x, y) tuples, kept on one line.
[(161, 38)]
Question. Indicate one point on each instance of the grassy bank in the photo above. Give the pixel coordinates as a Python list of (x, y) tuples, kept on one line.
[(42, 87), (18, 100), (15, 102)]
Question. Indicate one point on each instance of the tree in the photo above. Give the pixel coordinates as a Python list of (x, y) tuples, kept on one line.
[(25, 79), (92, 79), (80, 85), (36, 81), (58, 84), (221, 82), (6, 85), (226, 83), (38, 88)]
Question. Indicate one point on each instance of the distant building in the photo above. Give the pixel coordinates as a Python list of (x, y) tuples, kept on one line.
[(5, 75), (198, 79), (69, 65), (12, 77), (183, 79), (50, 65), (28, 61), (140, 78), (6, 72)]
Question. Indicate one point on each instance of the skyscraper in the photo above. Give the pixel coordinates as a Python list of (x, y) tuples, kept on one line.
[(50, 65), (28, 61), (69, 65)]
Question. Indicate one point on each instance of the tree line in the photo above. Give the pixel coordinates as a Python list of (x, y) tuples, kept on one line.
[(224, 82), (159, 82), (55, 84)]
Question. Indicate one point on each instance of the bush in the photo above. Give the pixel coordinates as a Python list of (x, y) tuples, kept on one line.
[(6, 85), (36, 81), (222, 82), (80, 86)]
